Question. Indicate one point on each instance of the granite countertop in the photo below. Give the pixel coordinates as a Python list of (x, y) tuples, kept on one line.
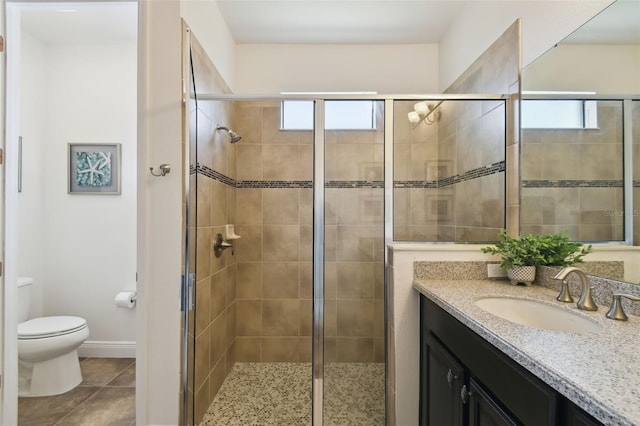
[(598, 371)]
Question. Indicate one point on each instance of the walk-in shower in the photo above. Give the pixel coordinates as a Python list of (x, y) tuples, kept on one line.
[(291, 326)]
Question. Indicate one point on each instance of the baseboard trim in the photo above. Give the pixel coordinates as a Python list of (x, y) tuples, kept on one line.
[(107, 349)]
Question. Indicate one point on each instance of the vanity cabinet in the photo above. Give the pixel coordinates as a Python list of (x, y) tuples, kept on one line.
[(464, 380)]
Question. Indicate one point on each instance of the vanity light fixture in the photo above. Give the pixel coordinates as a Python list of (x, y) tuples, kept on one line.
[(424, 112)]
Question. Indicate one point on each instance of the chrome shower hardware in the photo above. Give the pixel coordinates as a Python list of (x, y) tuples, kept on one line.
[(220, 245), (233, 135)]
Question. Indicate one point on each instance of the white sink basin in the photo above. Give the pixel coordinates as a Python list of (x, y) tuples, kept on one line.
[(537, 314)]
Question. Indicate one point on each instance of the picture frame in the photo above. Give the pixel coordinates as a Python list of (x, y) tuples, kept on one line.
[(93, 168)]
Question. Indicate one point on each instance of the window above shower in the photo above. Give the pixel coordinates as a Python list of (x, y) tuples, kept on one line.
[(559, 114), (339, 115)]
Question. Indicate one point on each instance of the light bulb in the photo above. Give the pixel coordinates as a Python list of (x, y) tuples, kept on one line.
[(421, 108), (414, 118)]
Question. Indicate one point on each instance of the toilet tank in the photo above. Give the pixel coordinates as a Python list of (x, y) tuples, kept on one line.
[(24, 298)]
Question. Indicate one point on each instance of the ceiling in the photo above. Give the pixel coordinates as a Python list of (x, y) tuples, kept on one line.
[(307, 21), (67, 23)]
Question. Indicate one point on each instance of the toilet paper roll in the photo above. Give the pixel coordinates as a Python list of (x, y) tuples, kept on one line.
[(126, 299)]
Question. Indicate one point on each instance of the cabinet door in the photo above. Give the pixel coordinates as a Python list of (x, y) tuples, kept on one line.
[(577, 417), (483, 410), (443, 382)]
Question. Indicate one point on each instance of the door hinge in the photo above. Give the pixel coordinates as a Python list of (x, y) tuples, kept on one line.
[(1, 274), (1, 156), (1, 44)]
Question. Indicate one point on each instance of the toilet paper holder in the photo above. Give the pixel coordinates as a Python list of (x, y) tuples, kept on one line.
[(126, 299)]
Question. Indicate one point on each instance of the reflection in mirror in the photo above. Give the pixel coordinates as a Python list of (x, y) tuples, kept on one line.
[(449, 170), (573, 177)]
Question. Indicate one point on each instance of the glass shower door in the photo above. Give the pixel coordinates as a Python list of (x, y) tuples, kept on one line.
[(190, 125), (354, 305)]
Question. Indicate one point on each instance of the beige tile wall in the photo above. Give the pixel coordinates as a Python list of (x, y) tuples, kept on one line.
[(274, 289), (213, 206), (589, 214), (469, 135)]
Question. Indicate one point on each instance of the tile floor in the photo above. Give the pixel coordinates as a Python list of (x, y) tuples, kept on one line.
[(279, 394), (106, 396)]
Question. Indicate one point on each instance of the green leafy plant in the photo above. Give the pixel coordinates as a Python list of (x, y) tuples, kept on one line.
[(534, 250)]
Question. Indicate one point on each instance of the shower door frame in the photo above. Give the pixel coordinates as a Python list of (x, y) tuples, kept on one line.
[(317, 366)]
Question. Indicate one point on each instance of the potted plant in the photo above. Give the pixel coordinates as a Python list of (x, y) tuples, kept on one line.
[(521, 255)]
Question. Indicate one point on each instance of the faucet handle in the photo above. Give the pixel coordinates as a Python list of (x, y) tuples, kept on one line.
[(564, 295), (615, 311)]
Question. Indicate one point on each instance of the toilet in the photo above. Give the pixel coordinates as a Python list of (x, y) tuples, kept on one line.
[(47, 349)]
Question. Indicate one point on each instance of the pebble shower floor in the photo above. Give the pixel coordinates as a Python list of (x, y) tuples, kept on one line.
[(279, 394)]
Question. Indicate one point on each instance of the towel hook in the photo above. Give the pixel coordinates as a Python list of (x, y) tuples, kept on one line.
[(165, 169)]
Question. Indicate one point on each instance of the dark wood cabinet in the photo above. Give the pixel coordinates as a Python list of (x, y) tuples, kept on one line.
[(484, 410), (464, 380), (444, 381)]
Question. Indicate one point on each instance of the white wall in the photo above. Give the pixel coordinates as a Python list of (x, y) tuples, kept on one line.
[(544, 23), (81, 249), (387, 69), (31, 211), (159, 214), (421, 68), (206, 22), (580, 67)]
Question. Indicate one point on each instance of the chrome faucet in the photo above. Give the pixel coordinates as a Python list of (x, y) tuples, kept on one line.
[(585, 302), (615, 311)]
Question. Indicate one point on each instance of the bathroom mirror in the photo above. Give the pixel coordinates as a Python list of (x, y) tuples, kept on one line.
[(580, 187)]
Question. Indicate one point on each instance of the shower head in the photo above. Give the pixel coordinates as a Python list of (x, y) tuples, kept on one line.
[(233, 135)]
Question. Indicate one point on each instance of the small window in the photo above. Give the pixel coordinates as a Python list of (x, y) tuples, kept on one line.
[(559, 114), (339, 115)]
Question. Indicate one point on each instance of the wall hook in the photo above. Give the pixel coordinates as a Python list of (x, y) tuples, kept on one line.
[(165, 169)]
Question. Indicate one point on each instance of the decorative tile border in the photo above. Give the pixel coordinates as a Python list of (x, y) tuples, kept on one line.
[(452, 180), (542, 183), (257, 184), (209, 172), (262, 184), (348, 184), (354, 184)]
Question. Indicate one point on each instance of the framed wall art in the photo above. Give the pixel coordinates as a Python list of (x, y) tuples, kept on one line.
[(94, 168)]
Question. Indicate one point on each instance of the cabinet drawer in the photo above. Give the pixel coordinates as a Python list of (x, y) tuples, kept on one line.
[(529, 399)]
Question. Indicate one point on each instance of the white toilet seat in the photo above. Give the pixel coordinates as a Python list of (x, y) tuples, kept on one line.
[(44, 327)]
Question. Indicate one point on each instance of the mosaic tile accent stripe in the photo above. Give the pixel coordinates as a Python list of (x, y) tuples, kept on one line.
[(636, 183), (573, 183), (452, 180), (418, 184), (354, 184), (257, 184), (346, 184), (260, 184), (209, 172)]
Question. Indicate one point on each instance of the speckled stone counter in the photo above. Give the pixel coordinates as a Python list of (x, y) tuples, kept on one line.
[(599, 372)]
